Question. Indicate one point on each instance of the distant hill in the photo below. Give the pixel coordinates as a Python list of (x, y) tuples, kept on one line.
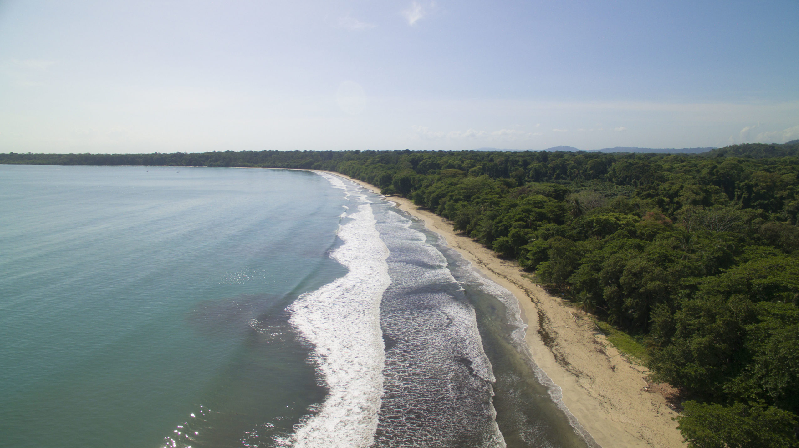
[(562, 148)]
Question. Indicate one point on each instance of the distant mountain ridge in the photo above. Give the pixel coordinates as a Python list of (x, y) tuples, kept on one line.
[(563, 148)]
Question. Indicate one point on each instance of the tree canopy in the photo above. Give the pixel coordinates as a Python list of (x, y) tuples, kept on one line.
[(696, 255)]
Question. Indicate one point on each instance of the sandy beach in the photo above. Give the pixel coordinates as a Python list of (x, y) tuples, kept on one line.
[(602, 389)]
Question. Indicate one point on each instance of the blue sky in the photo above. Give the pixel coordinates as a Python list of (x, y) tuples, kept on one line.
[(166, 76)]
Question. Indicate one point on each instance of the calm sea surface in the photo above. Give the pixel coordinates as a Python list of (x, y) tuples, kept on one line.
[(152, 307)]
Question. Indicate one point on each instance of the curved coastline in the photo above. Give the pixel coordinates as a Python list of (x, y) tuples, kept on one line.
[(604, 391)]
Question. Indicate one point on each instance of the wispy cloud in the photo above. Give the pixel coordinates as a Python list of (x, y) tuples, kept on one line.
[(470, 134), (424, 133), (744, 134), (783, 136), (514, 134), (596, 129), (791, 133), (351, 23), (414, 13), (506, 132)]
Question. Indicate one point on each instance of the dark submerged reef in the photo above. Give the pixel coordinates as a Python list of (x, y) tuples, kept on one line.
[(697, 256)]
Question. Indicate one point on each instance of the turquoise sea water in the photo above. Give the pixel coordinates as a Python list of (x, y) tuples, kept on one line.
[(153, 306)]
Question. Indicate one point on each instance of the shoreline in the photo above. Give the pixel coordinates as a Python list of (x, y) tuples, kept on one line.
[(606, 393)]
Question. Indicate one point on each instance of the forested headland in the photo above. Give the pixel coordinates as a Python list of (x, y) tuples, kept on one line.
[(696, 256)]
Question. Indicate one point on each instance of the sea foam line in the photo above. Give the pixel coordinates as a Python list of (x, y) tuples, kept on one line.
[(465, 334), (464, 314), (342, 322)]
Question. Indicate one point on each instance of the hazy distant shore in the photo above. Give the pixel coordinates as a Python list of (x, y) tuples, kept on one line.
[(605, 392)]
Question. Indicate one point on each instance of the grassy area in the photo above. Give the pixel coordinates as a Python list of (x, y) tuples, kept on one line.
[(625, 343)]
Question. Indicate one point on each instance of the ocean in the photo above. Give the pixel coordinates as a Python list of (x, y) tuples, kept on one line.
[(221, 307)]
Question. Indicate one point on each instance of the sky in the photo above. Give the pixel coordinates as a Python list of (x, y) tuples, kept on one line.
[(172, 75)]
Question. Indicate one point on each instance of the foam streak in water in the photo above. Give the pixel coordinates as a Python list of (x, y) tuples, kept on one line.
[(342, 322)]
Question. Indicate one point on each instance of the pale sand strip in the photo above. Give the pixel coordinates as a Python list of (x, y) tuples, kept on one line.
[(600, 387)]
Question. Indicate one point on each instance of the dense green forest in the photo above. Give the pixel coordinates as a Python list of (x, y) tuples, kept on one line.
[(697, 256)]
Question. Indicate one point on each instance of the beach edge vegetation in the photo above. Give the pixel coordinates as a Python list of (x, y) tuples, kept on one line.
[(694, 258)]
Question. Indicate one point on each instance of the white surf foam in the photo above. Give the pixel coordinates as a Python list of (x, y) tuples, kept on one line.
[(342, 322), (337, 182), (448, 329), (463, 315)]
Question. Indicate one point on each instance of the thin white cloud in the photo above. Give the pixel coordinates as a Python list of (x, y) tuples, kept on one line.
[(560, 130), (744, 134), (513, 134), (424, 133), (768, 137), (353, 24), (414, 13), (468, 134), (620, 129), (783, 136), (791, 133), (506, 132)]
